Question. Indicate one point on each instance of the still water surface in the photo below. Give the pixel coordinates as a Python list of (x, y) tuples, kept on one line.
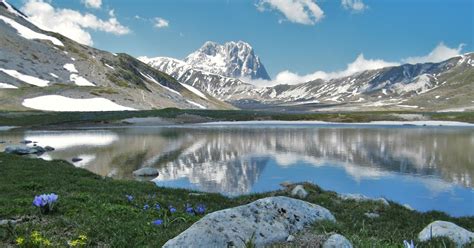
[(425, 167)]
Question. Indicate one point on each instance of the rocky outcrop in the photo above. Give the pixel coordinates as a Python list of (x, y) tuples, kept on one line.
[(361, 198), (264, 221), (449, 230), (24, 150), (146, 172), (299, 191)]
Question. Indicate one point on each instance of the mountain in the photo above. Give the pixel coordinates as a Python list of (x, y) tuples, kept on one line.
[(47, 71), (444, 86)]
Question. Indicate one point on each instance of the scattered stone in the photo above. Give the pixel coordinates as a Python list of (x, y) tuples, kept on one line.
[(75, 160), (372, 215), (24, 150), (286, 184), (299, 191), (195, 194), (361, 198), (337, 241), (9, 222), (26, 142), (2, 142), (146, 172), (49, 148), (446, 229), (290, 238), (268, 220)]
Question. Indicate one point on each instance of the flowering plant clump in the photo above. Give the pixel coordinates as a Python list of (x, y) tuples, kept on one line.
[(34, 240), (79, 242), (45, 202)]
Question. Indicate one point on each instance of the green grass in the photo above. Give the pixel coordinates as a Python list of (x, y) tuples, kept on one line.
[(96, 207), (38, 118)]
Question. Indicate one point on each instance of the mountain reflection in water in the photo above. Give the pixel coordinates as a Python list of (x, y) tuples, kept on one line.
[(233, 161)]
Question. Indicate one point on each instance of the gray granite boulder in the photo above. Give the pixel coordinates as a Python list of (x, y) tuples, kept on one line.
[(146, 172), (446, 229), (337, 241), (267, 220)]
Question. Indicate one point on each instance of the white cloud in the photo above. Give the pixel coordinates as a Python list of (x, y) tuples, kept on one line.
[(95, 4), (298, 11), (355, 5), (71, 23), (440, 53), (161, 23)]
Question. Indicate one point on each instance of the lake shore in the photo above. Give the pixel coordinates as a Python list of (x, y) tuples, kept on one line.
[(174, 116), (97, 207)]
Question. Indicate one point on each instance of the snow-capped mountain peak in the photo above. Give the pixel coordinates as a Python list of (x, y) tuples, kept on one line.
[(232, 59)]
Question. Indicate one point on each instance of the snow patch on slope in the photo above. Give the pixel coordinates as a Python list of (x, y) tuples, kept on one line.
[(194, 90), (26, 78), (154, 81), (28, 33), (66, 104), (196, 104), (70, 68), (80, 81), (7, 86)]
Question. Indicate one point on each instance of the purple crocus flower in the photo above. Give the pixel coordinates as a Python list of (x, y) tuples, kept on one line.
[(189, 210), (39, 202), (157, 222), (157, 206), (146, 207), (52, 198), (200, 209), (129, 197), (406, 244), (172, 209)]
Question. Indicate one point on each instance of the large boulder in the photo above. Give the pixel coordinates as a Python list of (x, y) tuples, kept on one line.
[(337, 241), (146, 172), (24, 150), (362, 198), (449, 230), (267, 220)]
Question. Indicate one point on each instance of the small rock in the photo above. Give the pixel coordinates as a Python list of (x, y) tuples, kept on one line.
[(24, 150), (299, 191), (26, 142), (290, 238), (372, 215), (195, 194), (146, 172), (337, 241), (49, 148), (268, 220), (286, 184), (446, 229), (75, 160), (360, 198)]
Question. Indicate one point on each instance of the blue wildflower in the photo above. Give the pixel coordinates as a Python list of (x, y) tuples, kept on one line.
[(189, 210), (129, 197), (146, 207), (39, 202), (157, 206), (157, 222), (45, 201), (200, 209), (172, 209)]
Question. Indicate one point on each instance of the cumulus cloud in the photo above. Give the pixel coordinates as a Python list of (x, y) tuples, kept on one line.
[(354, 5), (161, 23), (440, 53), (71, 23), (95, 4), (298, 11)]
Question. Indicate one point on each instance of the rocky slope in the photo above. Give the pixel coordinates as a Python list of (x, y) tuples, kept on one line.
[(47, 71)]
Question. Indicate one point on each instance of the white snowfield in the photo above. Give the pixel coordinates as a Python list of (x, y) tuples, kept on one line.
[(70, 68), (375, 123), (26, 78), (7, 86), (196, 104), (194, 90), (80, 81), (156, 82), (65, 104), (28, 33)]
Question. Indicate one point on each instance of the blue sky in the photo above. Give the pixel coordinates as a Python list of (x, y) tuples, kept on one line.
[(389, 30)]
